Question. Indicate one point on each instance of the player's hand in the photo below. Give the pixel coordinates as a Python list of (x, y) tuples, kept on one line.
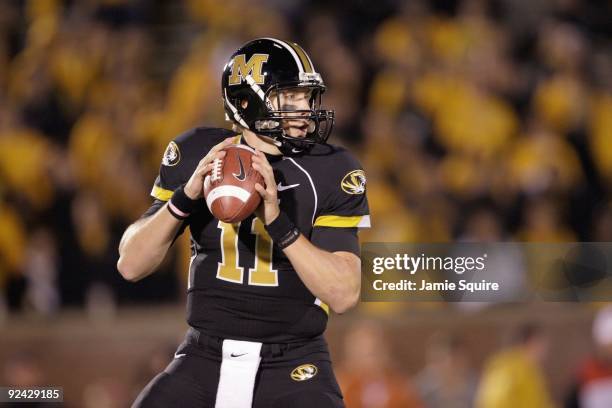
[(194, 187), (269, 209)]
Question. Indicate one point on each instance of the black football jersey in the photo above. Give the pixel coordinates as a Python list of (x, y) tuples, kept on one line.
[(240, 285)]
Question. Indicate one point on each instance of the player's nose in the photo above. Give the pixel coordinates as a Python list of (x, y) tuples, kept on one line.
[(302, 112), (303, 105)]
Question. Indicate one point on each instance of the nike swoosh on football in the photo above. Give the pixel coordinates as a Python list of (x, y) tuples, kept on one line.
[(280, 187), (242, 175), (238, 355), (179, 355)]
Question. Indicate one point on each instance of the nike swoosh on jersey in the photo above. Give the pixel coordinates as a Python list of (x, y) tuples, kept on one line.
[(238, 355), (280, 187)]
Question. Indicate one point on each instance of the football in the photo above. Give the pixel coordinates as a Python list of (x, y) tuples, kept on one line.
[(229, 189)]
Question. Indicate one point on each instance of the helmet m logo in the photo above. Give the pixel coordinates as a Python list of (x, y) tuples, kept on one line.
[(241, 68)]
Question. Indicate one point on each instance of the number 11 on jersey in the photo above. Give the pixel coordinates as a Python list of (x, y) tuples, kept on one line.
[(262, 273)]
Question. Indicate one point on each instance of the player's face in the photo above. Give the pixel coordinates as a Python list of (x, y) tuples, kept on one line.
[(294, 99)]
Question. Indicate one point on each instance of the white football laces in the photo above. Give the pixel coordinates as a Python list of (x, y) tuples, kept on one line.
[(216, 170)]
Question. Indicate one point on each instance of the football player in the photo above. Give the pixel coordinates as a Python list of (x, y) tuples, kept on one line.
[(260, 291)]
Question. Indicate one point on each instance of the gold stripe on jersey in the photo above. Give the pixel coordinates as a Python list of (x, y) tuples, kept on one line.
[(338, 221), (303, 57), (161, 193), (322, 305)]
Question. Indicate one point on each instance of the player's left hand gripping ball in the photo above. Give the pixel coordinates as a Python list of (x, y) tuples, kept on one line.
[(270, 208), (229, 189)]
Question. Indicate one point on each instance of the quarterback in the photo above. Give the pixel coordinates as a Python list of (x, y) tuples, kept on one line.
[(260, 291)]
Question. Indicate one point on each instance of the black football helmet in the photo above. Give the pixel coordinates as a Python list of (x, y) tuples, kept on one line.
[(256, 72)]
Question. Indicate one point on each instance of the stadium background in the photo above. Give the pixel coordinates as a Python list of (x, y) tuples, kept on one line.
[(482, 120)]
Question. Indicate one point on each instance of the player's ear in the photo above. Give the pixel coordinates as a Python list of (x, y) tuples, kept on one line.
[(244, 103)]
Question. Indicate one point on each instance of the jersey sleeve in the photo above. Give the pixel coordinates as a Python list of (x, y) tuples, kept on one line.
[(171, 175), (344, 207), (345, 203), (175, 168)]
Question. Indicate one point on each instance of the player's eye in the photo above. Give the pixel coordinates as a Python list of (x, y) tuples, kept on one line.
[(291, 96), (298, 94)]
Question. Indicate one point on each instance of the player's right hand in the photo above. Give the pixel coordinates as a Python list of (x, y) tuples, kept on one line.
[(194, 187)]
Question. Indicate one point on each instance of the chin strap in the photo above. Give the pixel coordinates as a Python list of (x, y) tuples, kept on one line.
[(293, 147), (288, 147)]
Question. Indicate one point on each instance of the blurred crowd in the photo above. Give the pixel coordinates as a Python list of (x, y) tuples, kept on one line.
[(479, 120), (516, 375)]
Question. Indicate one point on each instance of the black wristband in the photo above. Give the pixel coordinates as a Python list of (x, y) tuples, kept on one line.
[(180, 205), (175, 214), (282, 231)]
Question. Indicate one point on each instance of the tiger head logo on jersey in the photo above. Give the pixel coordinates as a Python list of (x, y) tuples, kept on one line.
[(354, 182), (172, 155), (304, 372)]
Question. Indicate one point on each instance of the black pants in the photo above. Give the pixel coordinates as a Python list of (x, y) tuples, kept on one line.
[(191, 379)]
